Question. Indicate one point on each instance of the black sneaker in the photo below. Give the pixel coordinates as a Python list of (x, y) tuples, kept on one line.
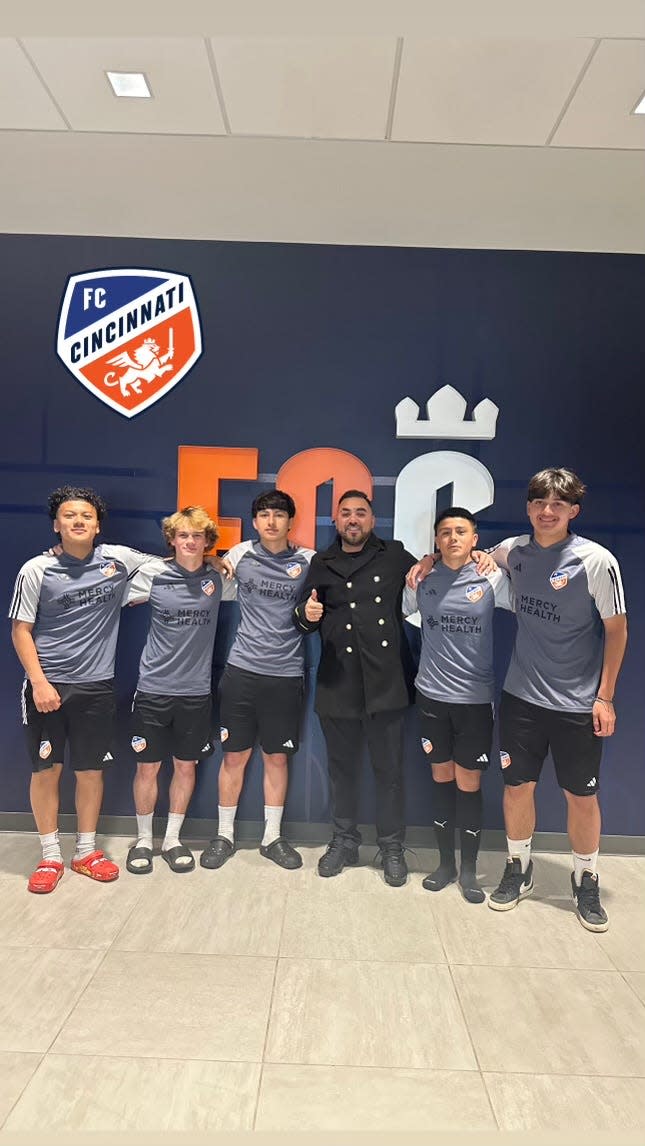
[(514, 885), (339, 854), (586, 897), (395, 869)]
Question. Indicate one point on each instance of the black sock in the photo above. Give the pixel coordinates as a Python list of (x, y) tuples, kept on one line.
[(444, 797), (469, 821)]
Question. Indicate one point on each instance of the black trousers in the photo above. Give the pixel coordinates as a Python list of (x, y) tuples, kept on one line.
[(345, 739)]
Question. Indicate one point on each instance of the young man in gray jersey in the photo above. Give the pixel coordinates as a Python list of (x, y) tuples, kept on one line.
[(171, 713), (455, 690), (559, 689), (65, 615), (261, 690)]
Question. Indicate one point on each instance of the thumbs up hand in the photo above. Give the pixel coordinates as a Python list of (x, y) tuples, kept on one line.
[(313, 607)]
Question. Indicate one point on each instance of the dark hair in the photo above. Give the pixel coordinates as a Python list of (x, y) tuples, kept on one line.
[(354, 493), (75, 493), (274, 499), (455, 511), (561, 483)]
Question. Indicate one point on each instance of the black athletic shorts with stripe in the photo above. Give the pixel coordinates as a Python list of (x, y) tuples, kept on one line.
[(84, 721), (178, 726), (459, 732), (256, 707), (528, 731)]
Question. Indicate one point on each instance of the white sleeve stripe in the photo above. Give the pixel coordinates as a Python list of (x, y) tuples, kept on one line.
[(17, 598), (23, 701), (619, 600)]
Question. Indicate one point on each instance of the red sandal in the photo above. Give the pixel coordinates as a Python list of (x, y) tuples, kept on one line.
[(46, 876), (96, 866)]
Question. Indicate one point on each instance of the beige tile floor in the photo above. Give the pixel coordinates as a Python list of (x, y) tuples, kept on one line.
[(257, 999)]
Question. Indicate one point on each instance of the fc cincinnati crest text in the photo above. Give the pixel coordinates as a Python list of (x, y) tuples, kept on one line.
[(129, 335)]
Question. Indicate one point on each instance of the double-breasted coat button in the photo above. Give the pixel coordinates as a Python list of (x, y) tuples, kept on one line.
[(384, 643), (378, 600), (348, 649), (352, 604), (377, 578), (349, 584), (381, 621), (348, 626)]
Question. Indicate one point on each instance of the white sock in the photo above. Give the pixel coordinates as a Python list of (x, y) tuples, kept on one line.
[(582, 863), (521, 850), (51, 847), (226, 826), (272, 822), (173, 828), (144, 830), (85, 844)]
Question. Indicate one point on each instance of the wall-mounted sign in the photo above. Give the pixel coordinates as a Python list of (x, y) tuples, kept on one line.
[(129, 335)]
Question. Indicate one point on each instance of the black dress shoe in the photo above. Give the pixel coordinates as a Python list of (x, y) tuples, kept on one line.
[(339, 854), (395, 869), (218, 851), (281, 852)]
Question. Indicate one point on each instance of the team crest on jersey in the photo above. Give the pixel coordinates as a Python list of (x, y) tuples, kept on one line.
[(559, 579), (474, 593), (139, 743), (208, 587), (45, 749), (223, 734), (426, 745), (108, 568), (129, 335), (294, 568), (504, 759)]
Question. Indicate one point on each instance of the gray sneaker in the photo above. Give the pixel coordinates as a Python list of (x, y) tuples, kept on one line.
[(514, 885), (586, 897)]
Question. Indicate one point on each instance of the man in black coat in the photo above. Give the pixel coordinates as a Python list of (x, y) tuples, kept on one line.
[(353, 595)]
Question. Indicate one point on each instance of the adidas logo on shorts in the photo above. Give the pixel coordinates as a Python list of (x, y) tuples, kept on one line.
[(108, 756), (592, 783), (483, 759), (288, 744)]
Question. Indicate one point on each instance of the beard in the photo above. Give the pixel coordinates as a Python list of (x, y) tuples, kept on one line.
[(356, 538)]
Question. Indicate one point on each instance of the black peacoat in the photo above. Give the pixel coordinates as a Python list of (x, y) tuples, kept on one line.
[(361, 669)]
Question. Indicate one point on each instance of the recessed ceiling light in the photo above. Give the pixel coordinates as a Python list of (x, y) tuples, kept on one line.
[(640, 107), (131, 84)]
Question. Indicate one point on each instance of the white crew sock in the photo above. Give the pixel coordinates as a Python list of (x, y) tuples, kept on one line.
[(582, 863), (51, 847), (272, 822), (226, 826), (173, 828), (521, 850), (144, 830), (85, 844)]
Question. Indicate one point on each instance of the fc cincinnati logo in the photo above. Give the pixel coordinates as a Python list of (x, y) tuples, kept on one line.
[(108, 568), (129, 335), (474, 593), (208, 588), (294, 569), (559, 579)]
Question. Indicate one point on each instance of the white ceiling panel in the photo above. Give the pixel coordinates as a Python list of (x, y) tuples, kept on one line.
[(599, 113), (325, 88), (178, 71), (485, 91), (24, 102)]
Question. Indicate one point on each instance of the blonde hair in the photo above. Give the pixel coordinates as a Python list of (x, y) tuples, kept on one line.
[(194, 517)]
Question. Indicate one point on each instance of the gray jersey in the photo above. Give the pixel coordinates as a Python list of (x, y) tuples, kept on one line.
[(563, 593), (457, 607), (74, 605), (178, 653), (267, 641)]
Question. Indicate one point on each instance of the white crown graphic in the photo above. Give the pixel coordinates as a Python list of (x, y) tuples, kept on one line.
[(446, 411)]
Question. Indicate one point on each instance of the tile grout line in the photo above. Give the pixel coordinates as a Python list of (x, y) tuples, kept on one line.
[(472, 1043), (28, 1083), (269, 1009)]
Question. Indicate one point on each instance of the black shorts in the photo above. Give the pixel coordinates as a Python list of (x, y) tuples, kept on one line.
[(459, 732), (528, 731), (178, 726), (85, 720), (255, 707)]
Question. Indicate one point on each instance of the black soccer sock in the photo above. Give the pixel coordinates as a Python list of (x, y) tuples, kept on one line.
[(469, 822), (443, 799)]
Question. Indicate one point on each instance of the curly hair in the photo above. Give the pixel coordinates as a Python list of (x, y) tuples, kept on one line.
[(193, 517), (75, 493)]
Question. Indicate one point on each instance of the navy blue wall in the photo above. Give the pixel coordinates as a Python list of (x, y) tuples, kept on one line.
[(313, 346)]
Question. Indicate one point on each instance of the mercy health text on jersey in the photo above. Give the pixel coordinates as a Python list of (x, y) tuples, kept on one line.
[(129, 335)]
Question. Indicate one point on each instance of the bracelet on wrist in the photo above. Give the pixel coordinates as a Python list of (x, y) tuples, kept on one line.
[(604, 701)]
